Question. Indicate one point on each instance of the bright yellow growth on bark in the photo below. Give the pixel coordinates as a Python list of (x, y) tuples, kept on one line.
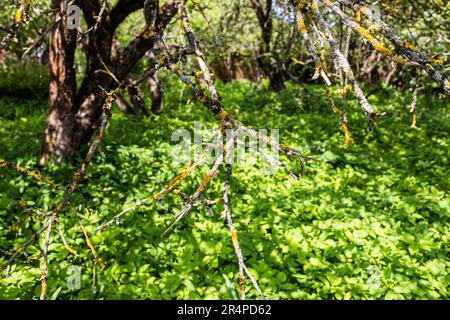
[(296, 61), (323, 61), (223, 114), (413, 121), (234, 237), (343, 123), (19, 14), (408, 45), (301, 25), (382, 49), (400, 60), (348, 138), (377, 45), (318, 66), (70, 249), (358, 16), (344, 90), (432, 59), (18, 17), (373, 28), (438, 61)]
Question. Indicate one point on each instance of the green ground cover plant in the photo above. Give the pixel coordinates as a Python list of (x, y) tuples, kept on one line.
[(370, 222)]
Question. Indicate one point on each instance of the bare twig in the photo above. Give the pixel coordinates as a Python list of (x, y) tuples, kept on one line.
[(205, 181), (413, 105), (235, 240), (44, 274), (195, 47), (66, 245), (413, 56), (35, 175), (158, 196)]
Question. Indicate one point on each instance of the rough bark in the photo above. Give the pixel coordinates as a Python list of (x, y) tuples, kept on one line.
[(78, 114), (155, 86), (61, 117)]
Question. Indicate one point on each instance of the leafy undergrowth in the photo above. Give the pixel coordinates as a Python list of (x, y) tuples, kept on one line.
[(368, 223)]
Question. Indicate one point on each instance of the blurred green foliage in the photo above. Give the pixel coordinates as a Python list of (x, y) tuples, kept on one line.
[(26, 80), (369, 223)]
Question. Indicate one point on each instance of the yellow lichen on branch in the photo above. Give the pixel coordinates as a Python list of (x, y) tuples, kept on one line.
[(234, 238), (373, 28), (301, 25), (433, 59), (344, 90), (21, 12), (358, 16), (408, 46), (348, 140), (413, 119), (366, 34), (35, 175)]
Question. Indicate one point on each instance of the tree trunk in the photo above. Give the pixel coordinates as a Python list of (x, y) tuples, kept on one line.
[(266, 59), (155, 86), (61, 117), (276, 80), (124, 106), (74, 116)]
